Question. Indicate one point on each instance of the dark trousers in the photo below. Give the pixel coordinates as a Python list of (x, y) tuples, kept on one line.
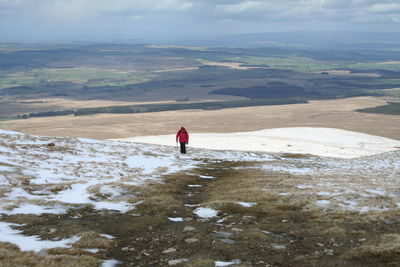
[(183, 148)]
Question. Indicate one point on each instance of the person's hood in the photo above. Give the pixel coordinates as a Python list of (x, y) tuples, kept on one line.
[(183, 129)]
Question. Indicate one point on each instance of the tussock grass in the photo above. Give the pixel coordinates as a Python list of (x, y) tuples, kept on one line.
[(255, 185), (93, 240), (12, 256), (386, 249), (295, 156), (54, 188), (72, 252), (335, 231), (200, 263)]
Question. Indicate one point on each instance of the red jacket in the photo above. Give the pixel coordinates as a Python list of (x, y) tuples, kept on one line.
[(182, 136)]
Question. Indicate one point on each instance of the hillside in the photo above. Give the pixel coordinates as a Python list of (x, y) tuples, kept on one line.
[(83, 202)]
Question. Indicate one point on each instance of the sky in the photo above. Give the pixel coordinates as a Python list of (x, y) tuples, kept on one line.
[(115, 20)]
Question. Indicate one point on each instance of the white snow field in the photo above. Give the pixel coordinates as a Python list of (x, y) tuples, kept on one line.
[(40, 175), (327, 142)]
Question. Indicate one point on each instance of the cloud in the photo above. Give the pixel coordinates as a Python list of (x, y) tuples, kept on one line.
[(385, 8), (247, 6), (198, 18)]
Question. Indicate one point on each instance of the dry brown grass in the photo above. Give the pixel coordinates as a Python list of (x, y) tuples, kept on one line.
[(330, 113), (201, 263), (257, 186), (12, 256), (93, 240), (159, 198), (386, 249)]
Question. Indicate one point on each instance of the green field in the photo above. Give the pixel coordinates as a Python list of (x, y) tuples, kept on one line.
[(301, 64), (162, 73), (88, 76), (374, 66), (390, 109)]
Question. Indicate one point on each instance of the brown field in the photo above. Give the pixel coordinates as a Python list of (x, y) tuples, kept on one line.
[(329, 113)]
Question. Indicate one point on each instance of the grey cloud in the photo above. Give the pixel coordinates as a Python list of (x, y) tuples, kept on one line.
[(191, 18)]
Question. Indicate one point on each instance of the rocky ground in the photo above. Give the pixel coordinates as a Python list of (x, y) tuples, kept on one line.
[(81, 202)]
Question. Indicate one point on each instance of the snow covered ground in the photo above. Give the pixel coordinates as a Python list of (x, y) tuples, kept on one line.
[(49, 175), (326, 142), (52, 175)]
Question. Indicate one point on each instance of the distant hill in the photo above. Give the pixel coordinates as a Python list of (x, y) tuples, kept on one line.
[(328, 40)]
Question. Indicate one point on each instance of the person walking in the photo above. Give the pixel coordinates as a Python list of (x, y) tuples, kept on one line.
[(183, 137)]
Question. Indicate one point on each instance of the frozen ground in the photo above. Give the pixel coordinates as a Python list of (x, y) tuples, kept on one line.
[(40, 175), (326, 142)]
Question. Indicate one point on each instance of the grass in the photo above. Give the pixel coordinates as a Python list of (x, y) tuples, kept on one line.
[(11, 256), (266, 233), (392, 108), (374, 66), (385, 250), (301, 64), (87, 76), (6, 119)]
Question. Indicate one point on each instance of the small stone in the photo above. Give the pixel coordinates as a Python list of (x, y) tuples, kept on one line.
[(125, 249), (191, 240), (237, 230), (328, 252), (169, 250), (320, 244), (223, 234), (387, 221), (284, 221), (278, 246), (362, 239), (177, 261), (227, 241), (188, 229)]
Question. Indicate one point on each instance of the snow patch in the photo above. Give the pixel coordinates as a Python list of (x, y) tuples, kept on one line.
[(110, 263), (206, 213), (323, 203), (246, 204), (36, 210), (304, 186), (194, 185), (175, 219), (327, 142), (206, 177), (7, 234)]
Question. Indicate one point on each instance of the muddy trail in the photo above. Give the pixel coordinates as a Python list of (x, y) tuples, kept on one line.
[(216, 215)]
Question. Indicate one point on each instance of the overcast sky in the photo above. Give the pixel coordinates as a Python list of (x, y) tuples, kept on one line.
[(71, 20)]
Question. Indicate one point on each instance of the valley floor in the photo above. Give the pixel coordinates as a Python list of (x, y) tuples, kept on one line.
[(338, 113)]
